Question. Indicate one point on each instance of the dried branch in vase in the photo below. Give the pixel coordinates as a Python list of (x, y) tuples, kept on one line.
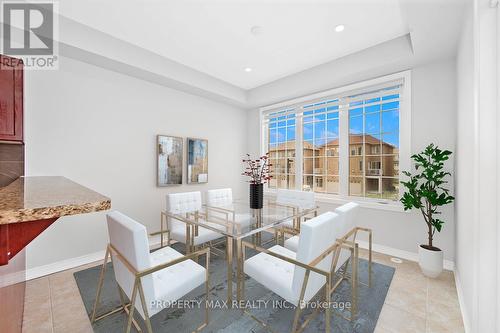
[(258, 170)]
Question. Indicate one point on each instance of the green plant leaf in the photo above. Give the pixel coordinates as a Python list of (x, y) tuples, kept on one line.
[(425, 189)]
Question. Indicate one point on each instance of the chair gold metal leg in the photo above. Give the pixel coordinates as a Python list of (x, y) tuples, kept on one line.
[(327, 310), (124, 306), (242, 265), (207, 288), (136, 325), (145, 307), (299, 309), (193, 235), (296, 318), (229, 248), (132, 307), (167, 219), (240, 280), (354, 300), (161, 230), (99, 285), (207, 291), (188, 239)]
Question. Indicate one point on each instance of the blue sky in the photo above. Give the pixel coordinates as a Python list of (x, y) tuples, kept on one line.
[(381, 117)]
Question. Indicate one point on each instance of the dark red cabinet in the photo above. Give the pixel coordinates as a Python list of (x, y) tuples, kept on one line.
[(11, 99)]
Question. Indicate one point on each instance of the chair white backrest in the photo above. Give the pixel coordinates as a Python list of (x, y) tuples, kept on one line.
[(182, 203), (348, 212), (186, 202), (220, 197), (130, 239), (316, 236), (301, 199)]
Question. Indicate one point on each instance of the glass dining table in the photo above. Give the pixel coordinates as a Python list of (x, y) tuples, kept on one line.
[(236, 222)]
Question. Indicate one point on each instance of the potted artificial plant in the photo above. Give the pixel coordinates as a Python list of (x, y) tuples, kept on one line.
[(259, 173), (426, 190)]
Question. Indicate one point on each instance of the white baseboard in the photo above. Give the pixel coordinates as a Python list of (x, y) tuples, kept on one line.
[(58, 266), (66, 264), (461, 301), (412, 256)]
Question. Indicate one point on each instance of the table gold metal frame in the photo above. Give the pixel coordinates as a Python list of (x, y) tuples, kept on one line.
[(138, 289), (330, 285), (192, 221)]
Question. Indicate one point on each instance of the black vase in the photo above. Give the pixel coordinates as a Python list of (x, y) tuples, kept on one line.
[(256, 196)]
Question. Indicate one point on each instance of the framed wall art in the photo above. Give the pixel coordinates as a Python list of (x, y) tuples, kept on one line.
[(197, 161), (169, 152)]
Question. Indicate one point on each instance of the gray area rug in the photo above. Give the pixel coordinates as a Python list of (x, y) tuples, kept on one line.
[(269, 307)]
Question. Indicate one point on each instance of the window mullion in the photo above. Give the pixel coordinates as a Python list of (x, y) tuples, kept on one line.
[(299, 158), (343, 148)]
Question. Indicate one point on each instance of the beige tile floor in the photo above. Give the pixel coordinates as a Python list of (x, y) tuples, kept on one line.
[(414, 303)]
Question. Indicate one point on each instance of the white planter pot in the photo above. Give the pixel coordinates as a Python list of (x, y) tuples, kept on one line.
[(430, 262)]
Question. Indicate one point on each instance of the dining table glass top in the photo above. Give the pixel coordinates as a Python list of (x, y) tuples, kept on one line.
[(238, 220)]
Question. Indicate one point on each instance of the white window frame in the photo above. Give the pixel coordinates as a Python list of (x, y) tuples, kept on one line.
[(404, 139)]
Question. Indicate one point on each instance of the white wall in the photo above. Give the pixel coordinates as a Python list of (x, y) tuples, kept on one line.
[(433, 120), (464, 168), (485, 312), (477, 166), (99, 129)]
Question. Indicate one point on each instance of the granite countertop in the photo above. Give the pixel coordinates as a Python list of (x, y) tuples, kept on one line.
[(38, 198)]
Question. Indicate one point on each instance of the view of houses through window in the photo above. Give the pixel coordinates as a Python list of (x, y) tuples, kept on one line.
[(374, 147), (372, 156), (281, 138)]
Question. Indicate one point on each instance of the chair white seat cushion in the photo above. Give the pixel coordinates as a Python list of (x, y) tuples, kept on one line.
[(273, 273), (172, 283), (178, 233), (292, 243)]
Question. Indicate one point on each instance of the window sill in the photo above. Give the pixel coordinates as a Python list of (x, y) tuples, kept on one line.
[(337, 200)]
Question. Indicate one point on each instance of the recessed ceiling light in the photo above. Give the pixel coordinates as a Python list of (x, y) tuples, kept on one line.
[(248, 69), (340, 28), (396, 260)]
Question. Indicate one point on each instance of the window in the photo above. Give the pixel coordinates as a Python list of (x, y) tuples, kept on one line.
[(374, 125), (320, 146), (281, 148), (348, 142)]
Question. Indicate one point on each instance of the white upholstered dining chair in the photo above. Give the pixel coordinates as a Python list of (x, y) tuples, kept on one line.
[(187, 204), (348, 213), (298, 200), (220, 204), (149, 280), (299, 276)]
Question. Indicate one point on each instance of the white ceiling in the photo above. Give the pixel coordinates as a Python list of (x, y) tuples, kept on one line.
[(214, 36)]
